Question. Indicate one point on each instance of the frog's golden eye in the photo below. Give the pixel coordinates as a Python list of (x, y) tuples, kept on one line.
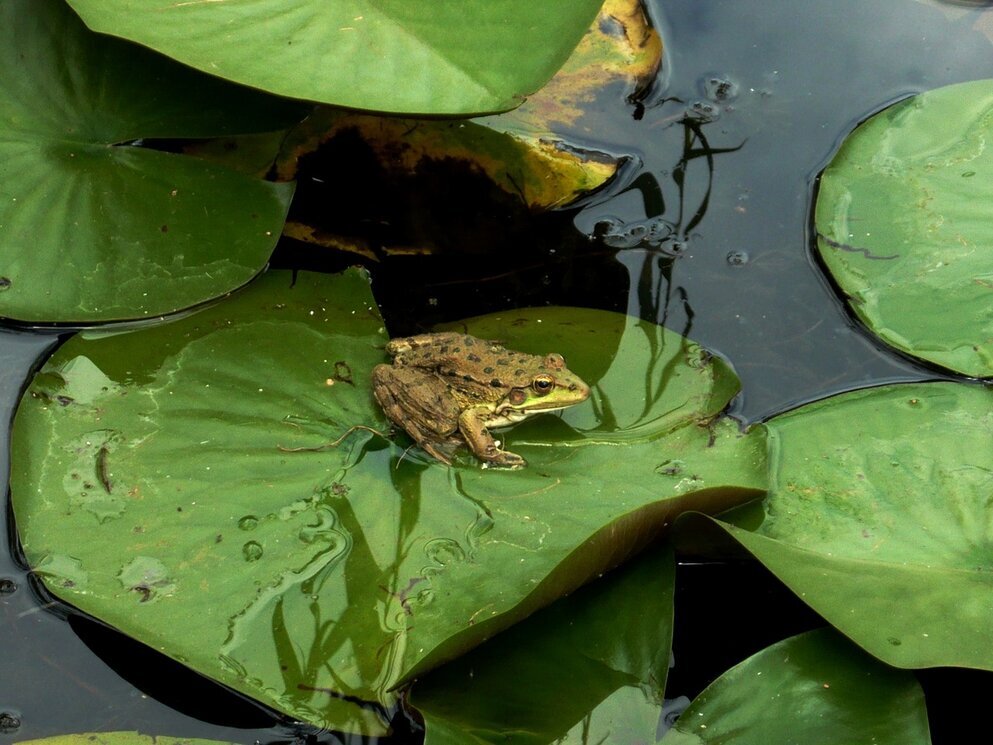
[(543, 384)]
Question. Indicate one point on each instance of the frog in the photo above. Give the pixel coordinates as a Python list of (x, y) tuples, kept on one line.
[(448, 390)]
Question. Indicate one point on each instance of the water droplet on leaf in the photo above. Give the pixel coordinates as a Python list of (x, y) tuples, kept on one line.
[(148, 577), (442, 551), (252, 551)]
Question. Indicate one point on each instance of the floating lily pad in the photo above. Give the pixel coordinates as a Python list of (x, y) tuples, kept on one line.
[(94, 227), (154, 488), (815, 689), (878, 517), (392, 56), (590, 668), (905, 225)]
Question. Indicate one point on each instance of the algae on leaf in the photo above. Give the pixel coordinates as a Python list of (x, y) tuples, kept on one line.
[(878, 518), (156, 486), (905, 225), (396, 56), (815, 689), (95, 227)]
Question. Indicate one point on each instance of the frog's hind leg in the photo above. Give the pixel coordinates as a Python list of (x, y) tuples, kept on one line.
[(417, 401), (442, 450)]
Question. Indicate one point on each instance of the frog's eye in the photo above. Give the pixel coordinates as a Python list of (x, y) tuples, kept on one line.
[(543, 384)]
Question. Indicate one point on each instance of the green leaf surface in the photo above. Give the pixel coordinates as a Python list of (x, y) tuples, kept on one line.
[(399, 56), (879, 518), (814, 689), (905, 225), (590, 668), (93, 228), (118, 738), (153, 489)]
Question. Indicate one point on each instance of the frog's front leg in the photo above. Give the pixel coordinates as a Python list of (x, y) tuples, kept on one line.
[(472, 425)]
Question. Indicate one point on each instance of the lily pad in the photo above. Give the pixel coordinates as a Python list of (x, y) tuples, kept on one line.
[(878, 517), (94, 227), (815, 689), (392, 56), (905, 225), (155, 488), (590, 668)]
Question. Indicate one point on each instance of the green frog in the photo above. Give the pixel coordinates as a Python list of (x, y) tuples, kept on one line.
[(450, 389)]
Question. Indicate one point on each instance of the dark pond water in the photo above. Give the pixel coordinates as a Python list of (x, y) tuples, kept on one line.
[(767, 89)]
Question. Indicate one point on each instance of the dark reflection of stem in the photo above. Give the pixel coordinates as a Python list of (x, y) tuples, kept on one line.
[(655, 289), (648, 186), (692, 135)]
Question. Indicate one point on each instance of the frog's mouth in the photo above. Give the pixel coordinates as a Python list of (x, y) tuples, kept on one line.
[(510, 416)]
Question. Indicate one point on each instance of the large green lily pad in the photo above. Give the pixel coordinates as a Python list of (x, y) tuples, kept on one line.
[(400, 56), (905, 225), (590, 668), (93, 228), (153, 488), (815, 689), (879, 517)]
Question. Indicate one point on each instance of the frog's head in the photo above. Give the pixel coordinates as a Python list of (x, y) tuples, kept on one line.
[(552, 386)]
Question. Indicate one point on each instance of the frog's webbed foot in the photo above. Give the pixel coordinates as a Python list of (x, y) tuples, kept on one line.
[(483, 444), (507, 459)]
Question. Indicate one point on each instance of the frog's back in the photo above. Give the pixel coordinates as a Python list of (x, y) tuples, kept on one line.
[(464, 359)]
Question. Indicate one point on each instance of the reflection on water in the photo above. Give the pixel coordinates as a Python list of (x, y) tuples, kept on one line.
[(712, 234)]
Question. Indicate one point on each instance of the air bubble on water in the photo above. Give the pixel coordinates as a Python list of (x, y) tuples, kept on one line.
[(651, 232), (252, 551), (737, 258), (720, 89), (248, 522), (703, 111), (9, 722)]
